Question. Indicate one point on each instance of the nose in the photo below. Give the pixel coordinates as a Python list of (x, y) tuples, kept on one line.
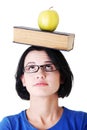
[(40, 74)]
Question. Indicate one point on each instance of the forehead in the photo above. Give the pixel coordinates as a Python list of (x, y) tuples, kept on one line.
[(37, 57)]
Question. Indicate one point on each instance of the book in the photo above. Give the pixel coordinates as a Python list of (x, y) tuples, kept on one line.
[(55, 40)]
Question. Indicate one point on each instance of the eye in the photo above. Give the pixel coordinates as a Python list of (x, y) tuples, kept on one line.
[(30, 68), (50, 67)]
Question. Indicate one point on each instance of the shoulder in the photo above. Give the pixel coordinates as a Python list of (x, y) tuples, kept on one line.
[(74, 113), (15, 117), (9, 122), (76, 117)]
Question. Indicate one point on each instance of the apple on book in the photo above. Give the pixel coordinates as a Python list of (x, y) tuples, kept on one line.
[(48, 20)]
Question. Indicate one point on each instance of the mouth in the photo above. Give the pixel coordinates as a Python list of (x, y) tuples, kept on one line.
[(40, 84)]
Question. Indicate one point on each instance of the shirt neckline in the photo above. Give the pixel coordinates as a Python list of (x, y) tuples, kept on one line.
[(33, 128)]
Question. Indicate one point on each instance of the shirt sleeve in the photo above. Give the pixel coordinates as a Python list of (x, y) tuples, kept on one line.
[(85, 122), (5, 124)]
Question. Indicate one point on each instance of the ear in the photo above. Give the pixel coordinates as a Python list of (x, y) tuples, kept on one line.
[(23, 80)]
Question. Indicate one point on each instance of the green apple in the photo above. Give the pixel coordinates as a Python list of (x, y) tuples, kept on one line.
[(48, 20)]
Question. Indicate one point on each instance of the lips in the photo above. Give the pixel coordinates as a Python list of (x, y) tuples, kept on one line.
[(41, 84)]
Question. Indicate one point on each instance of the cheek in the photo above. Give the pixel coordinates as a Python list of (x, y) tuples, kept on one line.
[(27, 81), (55, 81)]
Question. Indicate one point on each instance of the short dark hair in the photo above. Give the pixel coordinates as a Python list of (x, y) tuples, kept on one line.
[(59, 61)]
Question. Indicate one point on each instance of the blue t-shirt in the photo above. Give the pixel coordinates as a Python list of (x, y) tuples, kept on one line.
[(70, 120)]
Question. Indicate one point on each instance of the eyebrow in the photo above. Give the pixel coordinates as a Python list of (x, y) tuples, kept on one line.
[(35, 62)]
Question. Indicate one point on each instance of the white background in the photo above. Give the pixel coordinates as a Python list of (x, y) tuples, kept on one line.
[(73, 19)]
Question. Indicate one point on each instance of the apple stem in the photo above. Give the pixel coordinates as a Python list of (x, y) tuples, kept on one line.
[(51, 7)]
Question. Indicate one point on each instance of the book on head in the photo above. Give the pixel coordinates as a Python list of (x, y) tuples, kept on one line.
[(55, 40)]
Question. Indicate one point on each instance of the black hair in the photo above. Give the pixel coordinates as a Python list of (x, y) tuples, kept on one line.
[(59, 61)]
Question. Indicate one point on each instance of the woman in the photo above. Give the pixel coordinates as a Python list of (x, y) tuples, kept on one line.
[(43, 76)]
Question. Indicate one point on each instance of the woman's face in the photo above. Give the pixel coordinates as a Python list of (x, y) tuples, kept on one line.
[(40, 83)]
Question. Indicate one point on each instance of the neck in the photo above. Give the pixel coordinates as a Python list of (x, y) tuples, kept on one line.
[(43, 110), (44, 105)]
